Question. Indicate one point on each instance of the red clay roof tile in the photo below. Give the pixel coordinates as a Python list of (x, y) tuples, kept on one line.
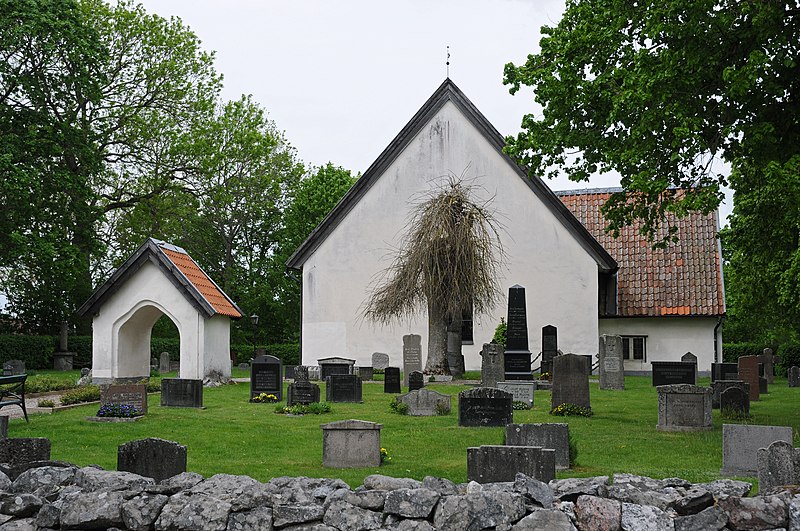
[(204, 285)]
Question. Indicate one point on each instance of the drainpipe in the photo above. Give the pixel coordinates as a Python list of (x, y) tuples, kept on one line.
[(717, 346), (290, 273)]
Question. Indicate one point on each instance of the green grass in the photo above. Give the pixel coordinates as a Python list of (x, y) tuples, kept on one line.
[(234, 436)]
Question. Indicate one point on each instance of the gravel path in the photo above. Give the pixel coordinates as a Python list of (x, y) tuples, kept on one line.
[(31, 404)]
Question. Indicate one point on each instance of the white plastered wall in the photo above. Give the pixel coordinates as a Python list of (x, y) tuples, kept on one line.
[(121, 330), (560, 277), (668, 338)]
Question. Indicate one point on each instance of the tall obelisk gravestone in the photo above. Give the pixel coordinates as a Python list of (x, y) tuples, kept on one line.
[(517, 355)]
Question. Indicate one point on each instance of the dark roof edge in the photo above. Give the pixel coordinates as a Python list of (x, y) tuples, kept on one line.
[(448, 91)]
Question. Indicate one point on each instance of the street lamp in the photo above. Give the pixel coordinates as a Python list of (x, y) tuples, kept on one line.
[(254, 321)]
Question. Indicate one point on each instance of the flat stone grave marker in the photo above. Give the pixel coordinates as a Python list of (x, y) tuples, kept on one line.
[(391, 380), (549, 347), (288, 372), (684, 407), (673, 372), (724, 371), (740, 444), (366, 373), (380, 361), (484, 406), (768, 360), (734, 401), (794, 376), (517, 355), (425, 403), (335, 365), (302, 392), (570, 381), (412, 355), (552, 435), (612, 364), (416, 381), (492, 364), (719, 386), (777, 465), (163, 365), (495, 463), (521, 391), (343, 388), (748, 372), (181, 392), (266, 376), (13, 367), (351, 444), (18, 450), (134, 395), (152, 458)]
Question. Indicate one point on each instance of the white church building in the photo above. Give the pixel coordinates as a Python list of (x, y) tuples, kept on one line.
[(578, 279)]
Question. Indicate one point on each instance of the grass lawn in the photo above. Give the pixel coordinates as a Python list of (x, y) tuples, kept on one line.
[(234, 436)]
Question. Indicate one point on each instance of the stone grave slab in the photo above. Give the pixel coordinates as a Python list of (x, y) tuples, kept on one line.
[(740, 444), (724, 371), (134, 395), (570, 384), (163, 364), (391, 380), (266, 376), (734, 401), (335, 365), (768, 360), (494, 463), (152, 458), (551, 435), (777, 465), (351, 444), (288, 372), (425, 403), (380, 361), (521, 390), (181, 392), (719, 386), (412, 355), (366, 373), (492, 364), (684, 407), (612, 364), (549, 347), (794, 376), (763, 386), (484, 406), (343, 388), (748, 372), (517, 355), (302, 392), (18, 450), (416, 381), (673, 372)]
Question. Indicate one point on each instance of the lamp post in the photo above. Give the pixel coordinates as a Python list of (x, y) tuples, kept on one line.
[(254, 321)]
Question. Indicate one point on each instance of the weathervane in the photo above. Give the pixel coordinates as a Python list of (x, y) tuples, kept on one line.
[(448, 61)]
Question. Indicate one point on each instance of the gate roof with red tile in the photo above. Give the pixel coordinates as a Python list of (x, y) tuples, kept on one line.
[(683, 279)]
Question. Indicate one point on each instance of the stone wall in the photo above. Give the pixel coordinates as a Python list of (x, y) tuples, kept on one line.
[(53, 495)]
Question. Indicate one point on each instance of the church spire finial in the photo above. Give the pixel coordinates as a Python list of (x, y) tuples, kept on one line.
[(448, 62)]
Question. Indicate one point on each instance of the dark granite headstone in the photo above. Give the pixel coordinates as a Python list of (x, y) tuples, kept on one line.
[(484, 406), (734, 400), (302, 392), (724, 371), (181, 392), (748, 372), (673, 372), (719, 386), (343, 388), (391, 380), (288, 372), (491, 464), (366, 373), (266, 376), (549, 347), (152, 458), (415, 381), (794, 376), (689, 358), (517, 355), (763, 386), (412, 355), (128, 394), (335, 365), (570, 381), (24, 450)]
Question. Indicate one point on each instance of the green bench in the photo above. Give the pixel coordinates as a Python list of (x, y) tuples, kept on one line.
[(12, 392)]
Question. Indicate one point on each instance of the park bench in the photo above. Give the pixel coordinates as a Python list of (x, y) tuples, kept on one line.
[(12, 392)]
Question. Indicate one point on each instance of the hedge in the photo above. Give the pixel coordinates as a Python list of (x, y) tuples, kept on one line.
[(790, 356), (289, 353), (731, 352), (35, 351)]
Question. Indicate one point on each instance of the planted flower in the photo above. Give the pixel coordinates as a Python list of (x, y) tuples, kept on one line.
[(264, 398), (119, 410)]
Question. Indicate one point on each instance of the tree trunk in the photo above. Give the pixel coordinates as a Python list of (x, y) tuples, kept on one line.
[(437, 341), (455, 359)]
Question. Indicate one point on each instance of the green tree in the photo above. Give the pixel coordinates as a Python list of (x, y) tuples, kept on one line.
[(657, 91)]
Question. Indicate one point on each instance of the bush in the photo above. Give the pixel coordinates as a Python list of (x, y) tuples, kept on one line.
[(43, 384), (501, 333), (35, 351), (401, 408), (519, 405), (731, 352), (89, 393), (288, 353), (790, 356), (165, 344), (46, 402)]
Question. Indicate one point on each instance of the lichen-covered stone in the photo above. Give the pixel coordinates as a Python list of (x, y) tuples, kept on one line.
[(710, 519), (443, 486), (241, 492), (756, 513), (20, 505), (258, 519), (283, 515), (549, 519), (182, 481), (372, 500), (645, 518), (570, 488), (92, 510), (413, 525), (49, 516), (380, 482), (91, 479), (186, 511), (598, 514), (534, 490), (693, 501), (23, 524), (726, 487), (479, 510), (140, 512), (44, 480), (343, 515), (411, 503)]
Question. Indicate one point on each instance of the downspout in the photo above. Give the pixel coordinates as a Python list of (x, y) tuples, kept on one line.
[(717, 346), (290, 273)]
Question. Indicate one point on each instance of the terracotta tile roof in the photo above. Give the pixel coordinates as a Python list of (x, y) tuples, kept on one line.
[(683, 279), (207, 288)]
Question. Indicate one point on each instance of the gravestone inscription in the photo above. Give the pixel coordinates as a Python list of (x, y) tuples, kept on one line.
[(152, 458), (391, 380), (748, 372), (343, 388), (673, 372), (549, 347), (492, 364), (522, 391), (611, 366), (570, 381), (517, 355), (134, 395), (266, 376), (684, 407), (415, 381), (181, 392), (484, 406), (412, 355)]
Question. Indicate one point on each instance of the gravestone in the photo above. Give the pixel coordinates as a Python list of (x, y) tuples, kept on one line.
[(152, 458), (412, 355), (721, 385), (748, 372), (734, 401), (302, 392), (134, 395), (244, 366), (570, 381), (266, 376), (181, 392), (425, 403), (18, 450), (314, 372), (517, 355), (163, 364), (415, 381), (768, 359), (689, 358), (3, 426), (455, 359), (673, 372), (13, 367), (492, 364), (343, 388), (366, 373), (549, 347), (175, 366), (300, 373), (288, 372), (763, 386), (391, 380), (335, 365), (612, 365), (484, 406), (794, 376), (351, 444), (62, 361), (380, 361), (684, 407), (777, 465), (553, 436), (520, 390), (495, 463), (740, 444), (724, 371)]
